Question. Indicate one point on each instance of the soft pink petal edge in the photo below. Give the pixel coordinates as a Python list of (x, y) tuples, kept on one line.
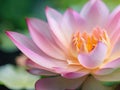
[(27, 46), (36, 69), (54, 20), (93, 13), (95, 57), (58, 83), (109, 67), (40, 32), (111, 77)]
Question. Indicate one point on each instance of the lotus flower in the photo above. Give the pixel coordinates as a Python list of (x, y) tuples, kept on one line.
[(73, 46)]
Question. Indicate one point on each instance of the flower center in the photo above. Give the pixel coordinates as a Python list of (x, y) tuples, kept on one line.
[(84, 42)]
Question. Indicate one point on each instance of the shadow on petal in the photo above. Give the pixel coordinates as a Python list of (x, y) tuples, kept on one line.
[(58, 83)]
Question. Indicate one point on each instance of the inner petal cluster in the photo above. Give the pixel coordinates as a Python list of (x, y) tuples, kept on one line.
[(85, 42)]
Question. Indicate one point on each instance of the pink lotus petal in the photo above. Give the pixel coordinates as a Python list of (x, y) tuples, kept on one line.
[(112, 77), (104, 71), (95, 12), (71, 23), (114, 37), (59, 83), (39, 31), (109, 67), (80, 23), (27, 46), (116, 50), (113, 64), (31, 64), (73, 75), (94, 84), (115, 34), (113, 25), (68, 24), (66, 69), (71, 72), (95, 57), (36, 69), (54, 19), (113, 20)]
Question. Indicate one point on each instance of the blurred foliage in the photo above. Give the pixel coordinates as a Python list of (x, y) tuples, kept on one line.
[(14, 12), (110, 83), (64, 4), (16, 78)]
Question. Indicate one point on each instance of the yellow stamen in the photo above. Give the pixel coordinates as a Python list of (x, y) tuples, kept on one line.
[(84, 42)]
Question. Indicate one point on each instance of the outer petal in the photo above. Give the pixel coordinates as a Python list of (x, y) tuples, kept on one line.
[(95, 12), (114, 37), (54, 18), (116, 50), (113, 64), (95, 57), (77, 22), (104, 71), (109, 67), (112, 77), (94, 84), (71, 23), (113, 20), (39, 31), (27, 46), (73, 75), (113, 25), (58, 83), (36, 69), (72, 72)]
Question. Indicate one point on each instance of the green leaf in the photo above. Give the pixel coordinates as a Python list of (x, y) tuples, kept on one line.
[(110, 83), (16, 78)]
